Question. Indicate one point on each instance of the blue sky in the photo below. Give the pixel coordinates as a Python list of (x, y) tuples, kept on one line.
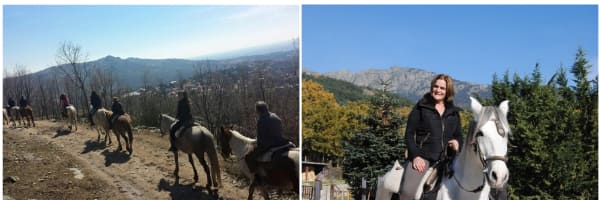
[(468, 42), (32, 34)]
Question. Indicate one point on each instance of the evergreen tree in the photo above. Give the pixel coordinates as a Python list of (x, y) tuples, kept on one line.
[(370, 152), (553, 149)]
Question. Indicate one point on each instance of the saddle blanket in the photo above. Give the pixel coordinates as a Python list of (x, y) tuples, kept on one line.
[(266, 157)]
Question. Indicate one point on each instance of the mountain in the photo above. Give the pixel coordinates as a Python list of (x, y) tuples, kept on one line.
[(250, 51), (130, 71), (408, 82)]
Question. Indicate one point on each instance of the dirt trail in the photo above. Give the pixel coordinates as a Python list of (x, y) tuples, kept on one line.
[(147, 174)]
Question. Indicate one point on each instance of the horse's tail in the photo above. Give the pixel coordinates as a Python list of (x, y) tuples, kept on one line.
[(214, 162)]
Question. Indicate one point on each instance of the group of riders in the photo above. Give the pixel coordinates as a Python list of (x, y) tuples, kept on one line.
[(269, 125), (23, 103)]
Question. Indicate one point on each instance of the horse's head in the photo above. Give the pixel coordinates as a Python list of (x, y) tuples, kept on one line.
[(165, 122), (224, 138), (488, 136)]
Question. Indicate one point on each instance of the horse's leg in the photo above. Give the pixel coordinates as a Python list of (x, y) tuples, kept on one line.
[(264, 191), (206, 169), (176, 172), (252, 187), (118, 140), (32, 120), (191, 159), (130, 137), (107, 136)]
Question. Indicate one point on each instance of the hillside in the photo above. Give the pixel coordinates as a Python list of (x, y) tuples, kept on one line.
[(345, 91)]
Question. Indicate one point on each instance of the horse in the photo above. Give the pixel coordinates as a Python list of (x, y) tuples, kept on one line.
[(195, 140), (279, 173), (120, 126), (5, 116), (71, 117), (480, 165), (101, 120), (27, 113), (15, 115)]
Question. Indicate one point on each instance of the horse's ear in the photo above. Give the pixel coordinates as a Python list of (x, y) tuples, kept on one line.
[(475, 107), (504, 107)]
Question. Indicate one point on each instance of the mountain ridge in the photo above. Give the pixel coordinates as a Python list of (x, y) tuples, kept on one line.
[(409, 82)]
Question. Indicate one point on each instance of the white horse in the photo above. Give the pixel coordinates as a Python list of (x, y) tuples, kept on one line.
[(5, 116), (480, 166), (71, 117), (279, 173), (15, 115), (101, 123)]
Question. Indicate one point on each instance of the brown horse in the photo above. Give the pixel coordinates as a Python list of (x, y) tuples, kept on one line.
[(282, 171), (120, 126), (27, 113)]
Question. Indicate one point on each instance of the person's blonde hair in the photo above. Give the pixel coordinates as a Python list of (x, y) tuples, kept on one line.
[(449, 86)]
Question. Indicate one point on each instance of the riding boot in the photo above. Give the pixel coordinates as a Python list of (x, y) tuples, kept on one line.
[(91, 120)]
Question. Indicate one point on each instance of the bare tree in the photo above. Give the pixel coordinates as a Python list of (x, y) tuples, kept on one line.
[(71, 62)]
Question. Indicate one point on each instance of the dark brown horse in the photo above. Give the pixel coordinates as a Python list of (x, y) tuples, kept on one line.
[(282, 171), (27, 113)]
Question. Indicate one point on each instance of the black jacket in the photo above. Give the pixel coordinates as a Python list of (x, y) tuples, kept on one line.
[(425, 129), (11, 103), (117, 108), (23, 103), (96, 101), (269, 132), (184, 110)]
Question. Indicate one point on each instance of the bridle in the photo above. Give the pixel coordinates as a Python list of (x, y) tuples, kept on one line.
[(483, 158)]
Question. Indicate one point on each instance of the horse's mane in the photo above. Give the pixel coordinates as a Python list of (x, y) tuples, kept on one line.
[(488, 113), (242, 137)]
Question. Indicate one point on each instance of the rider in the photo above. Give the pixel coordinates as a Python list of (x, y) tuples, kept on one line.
[(269, 135), (117, 110), (23, 102), (433, 125), (11, 103), (184, 116), (96, 104), (64, 101)]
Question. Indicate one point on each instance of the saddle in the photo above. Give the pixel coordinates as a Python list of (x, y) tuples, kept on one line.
[(272, 152), (183, 128)]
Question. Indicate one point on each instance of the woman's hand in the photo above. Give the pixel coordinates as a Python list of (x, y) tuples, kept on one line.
[(454, 145), (419, 164)]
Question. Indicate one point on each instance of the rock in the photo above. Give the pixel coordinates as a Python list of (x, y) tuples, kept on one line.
[(11, 179)]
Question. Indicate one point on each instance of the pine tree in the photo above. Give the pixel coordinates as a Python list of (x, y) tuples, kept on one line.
[(371, 152)]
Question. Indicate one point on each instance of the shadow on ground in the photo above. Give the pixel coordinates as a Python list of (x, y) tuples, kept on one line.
[(187, 191), (115, 157), (92, 145), (61, 132)]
